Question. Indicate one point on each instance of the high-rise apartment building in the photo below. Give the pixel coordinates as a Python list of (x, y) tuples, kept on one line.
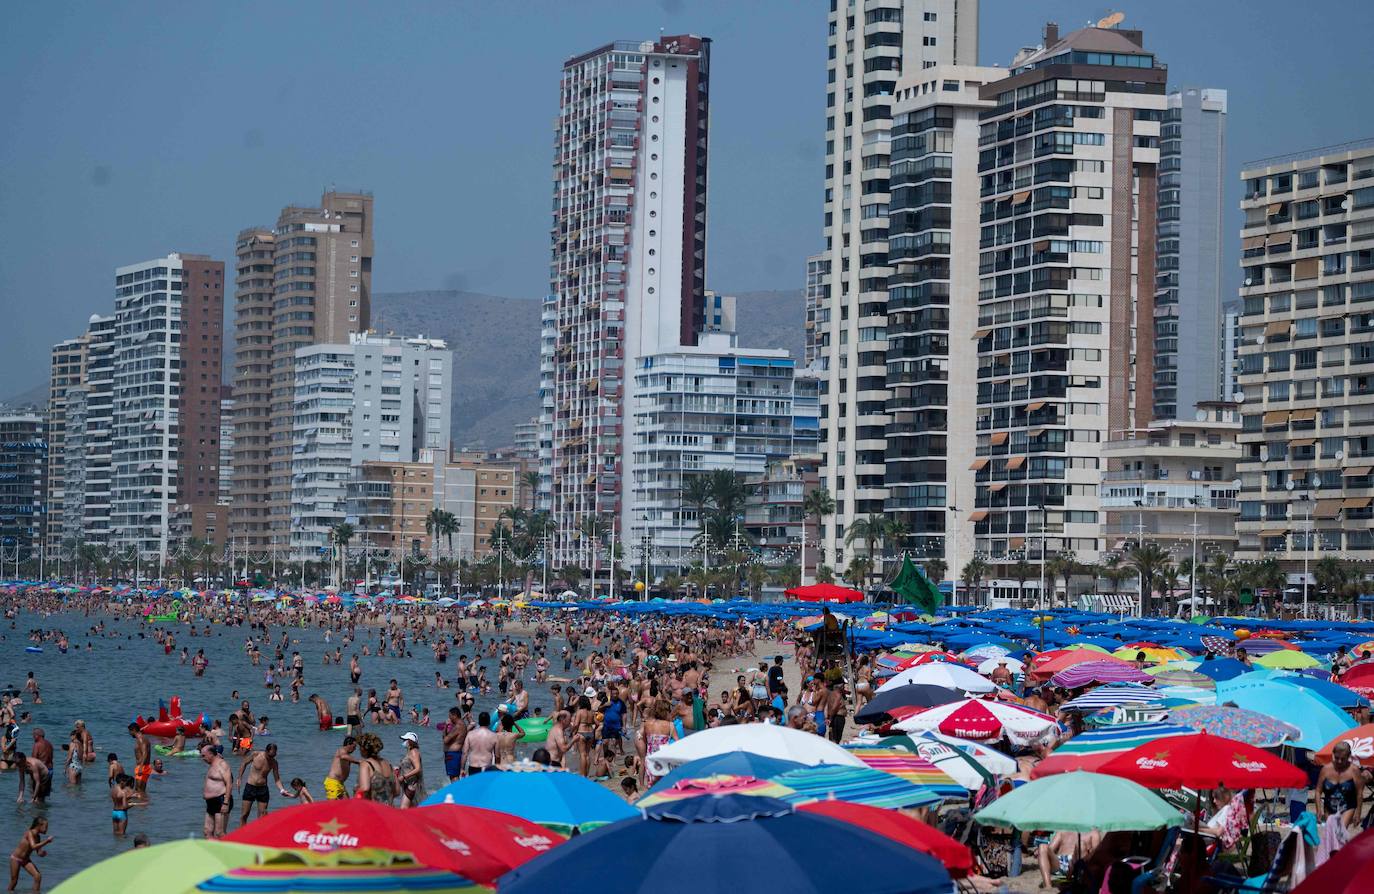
[(932, 308), (23, 457), (1307, 357), (1228, 369), (317, 290), (87, 422), (817, 288), (166, 379), (871, 46), (226, 444), (699, 409), (1067, 165), (548, 341), (66, 373), (628, 270), (1188, 301), (377, 398)]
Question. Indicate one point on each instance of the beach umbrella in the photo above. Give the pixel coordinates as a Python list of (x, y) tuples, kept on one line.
[(824, 593), (769, 847), (911, 695), (911, 767), (1043, 670), (1081, 802), (867, 785), (1101, 671), (943, 674), (982, 721), (1204, 761), (1111, 696), (560, 801), (1087, 647), (1287, 659), (953, 855), (1316, 718), (765, 739), (1361, 742), (1181, 677), (970, 764), (170, 868), (1360, 678), (719, 786), (988, 665), (1185, 665), (1153, 653), (1338, 695), (988, 650), (1221, 668), (728, 763), (1090, 750), (482, 844), (296, 877), (1250, 727), (1346, 872)]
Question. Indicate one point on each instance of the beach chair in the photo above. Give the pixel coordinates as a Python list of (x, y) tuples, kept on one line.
[(1275, 881), (1145, 873)]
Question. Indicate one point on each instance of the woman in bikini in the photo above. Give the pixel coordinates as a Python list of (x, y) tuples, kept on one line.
[(584, 735), (654, 733), (376, 776)]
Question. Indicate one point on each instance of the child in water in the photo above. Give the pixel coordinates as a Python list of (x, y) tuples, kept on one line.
[(31, 843), (120, 794)]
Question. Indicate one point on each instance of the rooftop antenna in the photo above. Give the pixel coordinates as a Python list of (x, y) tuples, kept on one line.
[(1112, 20)]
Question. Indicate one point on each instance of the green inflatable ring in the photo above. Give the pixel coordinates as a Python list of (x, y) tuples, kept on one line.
[(536, 728), (167, 750)]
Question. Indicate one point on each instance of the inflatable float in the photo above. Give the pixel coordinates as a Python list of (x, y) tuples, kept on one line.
[(37, 650), (169, 718), (536, 729), (167, 751)]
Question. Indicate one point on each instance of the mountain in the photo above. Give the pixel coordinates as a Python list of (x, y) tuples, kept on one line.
[(495, 344), (36, 398)]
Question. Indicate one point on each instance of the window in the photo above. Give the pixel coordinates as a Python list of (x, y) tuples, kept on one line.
[(929, 16), (928, 41)]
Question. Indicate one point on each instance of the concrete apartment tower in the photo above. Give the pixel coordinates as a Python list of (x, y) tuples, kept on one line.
[(932, 309), (1068, 165), (628, 270), (1306, 355), (1188, 284), (307, 281), (66, 372), (165, 422), (871, 46)]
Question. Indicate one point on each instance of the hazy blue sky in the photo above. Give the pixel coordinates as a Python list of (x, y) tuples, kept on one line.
[(132, 129)]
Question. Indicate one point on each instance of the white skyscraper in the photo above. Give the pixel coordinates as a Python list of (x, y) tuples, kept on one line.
[(871, 46)]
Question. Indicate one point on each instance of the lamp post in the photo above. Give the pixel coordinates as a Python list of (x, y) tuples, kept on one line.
[(953, 536), (1044, 520), (1192, 572), (1140, 544)]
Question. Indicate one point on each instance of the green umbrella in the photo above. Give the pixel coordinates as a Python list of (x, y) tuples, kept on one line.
[(170, 868), (1081, 802)]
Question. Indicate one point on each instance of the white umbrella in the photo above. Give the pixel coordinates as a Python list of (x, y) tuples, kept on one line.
[(994, 761), (983, 720), (764, 739), (990, 665), (941, 673)]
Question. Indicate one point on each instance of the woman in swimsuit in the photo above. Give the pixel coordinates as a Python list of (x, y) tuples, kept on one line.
[(655, 732), (584, 724), (376, 776)]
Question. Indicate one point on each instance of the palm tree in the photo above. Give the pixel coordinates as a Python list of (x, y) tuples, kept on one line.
[(729, 494), (825, 574), (871, 530), (593, 528), (1022, 571), (1330, 575), (434, 523), (935, 570), (1220, 583), (529, 481), (1168, 583), (341, 534), (895, 533), (696, 492), (757, 575), (1268, 574), (1147, 560), (816, 504), (787, 576), (1110, 570), (1067, 566), (860, 567), (698, 578), (974, 572)]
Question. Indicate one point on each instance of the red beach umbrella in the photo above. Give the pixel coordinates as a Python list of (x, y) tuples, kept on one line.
[(1203, 761), (900, 828)]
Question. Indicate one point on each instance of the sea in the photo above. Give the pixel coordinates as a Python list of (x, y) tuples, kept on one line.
[(125, 673)]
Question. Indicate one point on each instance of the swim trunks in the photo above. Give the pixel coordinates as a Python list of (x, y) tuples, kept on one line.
[(143, 772), (253, 793), (453, 764), (213, 806), (354, 720), (334, 790), (119, 816)]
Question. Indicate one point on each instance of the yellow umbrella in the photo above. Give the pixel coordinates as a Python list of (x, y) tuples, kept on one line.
[(1086, 647), (1153, 654), (1287, 659)]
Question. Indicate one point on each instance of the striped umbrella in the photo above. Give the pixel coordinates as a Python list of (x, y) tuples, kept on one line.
[(718, 785), (1180, 677), (1262, 645), (1099, 672), (913, 768), (285, 877), (970, 768), (1112, 695), (858, 785), (1153, 654), (1166, 667), (1088, 751)]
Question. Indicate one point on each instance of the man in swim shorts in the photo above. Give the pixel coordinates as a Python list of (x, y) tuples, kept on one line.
[(253, 779), (335, 787), (454, 734), (143, 760), (219, 782)]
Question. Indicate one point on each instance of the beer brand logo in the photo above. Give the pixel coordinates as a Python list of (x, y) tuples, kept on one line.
[(1241, 762), (453, 844), (329, 837), (534, 842), (1158, 762)]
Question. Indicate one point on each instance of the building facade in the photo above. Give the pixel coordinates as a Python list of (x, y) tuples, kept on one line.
[(1307, 357), (932, 309), (774, 516), (88, 443), (817, 314), (701, 409), (1068, 165), (870, 48), (1188, 283), (307, 281), (67, 370), (23, 458), (628, 270), (375, 399), (166, 377)]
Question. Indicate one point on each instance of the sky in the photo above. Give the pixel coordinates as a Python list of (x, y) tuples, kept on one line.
[(135, 129)]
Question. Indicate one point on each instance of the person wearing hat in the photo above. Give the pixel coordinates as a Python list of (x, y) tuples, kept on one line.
[(1001, 675), (410, 772)]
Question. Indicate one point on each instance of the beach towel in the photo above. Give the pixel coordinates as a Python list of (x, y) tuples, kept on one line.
[(1334, 837)]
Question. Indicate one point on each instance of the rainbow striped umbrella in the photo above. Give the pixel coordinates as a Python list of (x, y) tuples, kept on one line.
[(1181, 677), (1112, 671), (719, 785), (1090, 750), (291, 877), (858, 785), (911, 767)]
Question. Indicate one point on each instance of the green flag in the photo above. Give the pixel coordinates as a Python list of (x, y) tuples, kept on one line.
[(915, 588)]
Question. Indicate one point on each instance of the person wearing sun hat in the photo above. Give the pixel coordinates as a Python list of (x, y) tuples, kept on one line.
[(410, 773)]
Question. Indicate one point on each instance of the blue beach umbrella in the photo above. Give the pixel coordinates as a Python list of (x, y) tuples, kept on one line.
[(1319, 720), (559, 800), (1221, 668), (726, 846), (728, 763), (1335, 693)]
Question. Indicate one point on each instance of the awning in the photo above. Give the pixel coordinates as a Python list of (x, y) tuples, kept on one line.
[(1277, 327), (1016, 462), (1042, 245), (998, 437), (1016, 543), (979, 464), (1357, 502), (1357, 471), (1327, 509), (1302, 442), (1035, 433), (996, 486), (1032, 407), (1253, 242), (978, 515), (1279, 239), (1274, 532), (1306, 269), (1276, 417), (1276, 207), (1020, 197), (1303, 416), (981, 333)]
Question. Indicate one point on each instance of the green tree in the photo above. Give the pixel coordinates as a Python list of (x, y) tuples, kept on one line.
[(341, 534), (1022, 571), (1147, 560), (1066, 566), (1330, 575), (787, 576), (858, 571), (529, 483), (696, 492), (825, 574), (935, 570), (757, 576), (1110, 570), (975, 570)]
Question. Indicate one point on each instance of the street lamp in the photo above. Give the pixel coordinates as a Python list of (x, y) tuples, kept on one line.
[(953, 537), (1306, 499)]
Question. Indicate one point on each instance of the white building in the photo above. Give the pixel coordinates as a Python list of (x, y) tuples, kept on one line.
[(871, 45), (377, 398)]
